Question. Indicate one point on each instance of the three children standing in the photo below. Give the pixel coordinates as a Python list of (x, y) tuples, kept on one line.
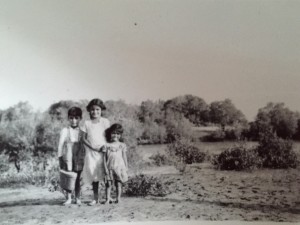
[(98, 160)]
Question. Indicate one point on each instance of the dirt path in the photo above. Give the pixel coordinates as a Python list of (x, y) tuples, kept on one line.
[(260, 196)]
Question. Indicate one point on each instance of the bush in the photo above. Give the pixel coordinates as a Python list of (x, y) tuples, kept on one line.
[(160, 159), (153, 133), (177, 127), (184, 151), (143, 185), (276, 152), (237, 158)]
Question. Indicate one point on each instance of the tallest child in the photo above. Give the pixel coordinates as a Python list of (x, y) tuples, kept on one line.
[(94, 139)]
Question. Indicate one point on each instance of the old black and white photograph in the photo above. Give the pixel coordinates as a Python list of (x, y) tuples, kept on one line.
[(149, 111)]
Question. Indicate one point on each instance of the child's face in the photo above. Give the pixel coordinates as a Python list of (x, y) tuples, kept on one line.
[(74, 121), (95, 112), (115, 137)]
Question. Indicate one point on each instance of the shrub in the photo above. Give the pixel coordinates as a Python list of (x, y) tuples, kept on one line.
[(153, 133), (238, 158), (184, 151), (160, 159), (276, 152), (144, 185), (177, 127)]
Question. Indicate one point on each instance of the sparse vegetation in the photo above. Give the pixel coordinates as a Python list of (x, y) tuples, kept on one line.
[(144, 185), (160, 159)]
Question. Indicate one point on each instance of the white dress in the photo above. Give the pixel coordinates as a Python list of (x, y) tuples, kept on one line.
[(93, 169)]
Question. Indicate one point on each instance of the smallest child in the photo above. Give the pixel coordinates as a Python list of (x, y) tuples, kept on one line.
[(71, 152), (115, 161)]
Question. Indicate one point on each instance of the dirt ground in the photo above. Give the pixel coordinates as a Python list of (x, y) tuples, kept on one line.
[(201, 193)]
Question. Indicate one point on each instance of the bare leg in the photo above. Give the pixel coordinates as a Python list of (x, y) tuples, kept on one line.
[(69, 195), (119, 191), (108, 192), (69, 198), (96, 195), (77, 188)]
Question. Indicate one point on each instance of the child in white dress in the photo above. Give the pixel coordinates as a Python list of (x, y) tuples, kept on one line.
[(94, 139), (71, 151), (115, 161)]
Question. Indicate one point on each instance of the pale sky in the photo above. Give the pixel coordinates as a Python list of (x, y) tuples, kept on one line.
[(248, 51)]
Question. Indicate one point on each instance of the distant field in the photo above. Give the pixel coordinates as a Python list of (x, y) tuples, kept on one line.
[(210, 147)]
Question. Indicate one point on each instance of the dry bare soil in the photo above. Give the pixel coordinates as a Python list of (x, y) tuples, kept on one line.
[(201, 193)]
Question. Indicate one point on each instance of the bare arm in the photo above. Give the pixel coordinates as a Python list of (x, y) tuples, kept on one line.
[(104, 152), (125, 157), (61, 143)]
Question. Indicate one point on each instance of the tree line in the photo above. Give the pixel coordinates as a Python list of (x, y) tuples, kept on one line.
[(26, 133)]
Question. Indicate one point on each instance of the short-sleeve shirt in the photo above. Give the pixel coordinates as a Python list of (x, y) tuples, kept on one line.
[(96, 131)]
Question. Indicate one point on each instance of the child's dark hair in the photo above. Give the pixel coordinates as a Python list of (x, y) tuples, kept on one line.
[(115, 128), (75, 111), (95, 101)]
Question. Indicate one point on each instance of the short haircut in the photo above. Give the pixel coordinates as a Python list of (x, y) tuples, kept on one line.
[(95, 101), (75, 111)]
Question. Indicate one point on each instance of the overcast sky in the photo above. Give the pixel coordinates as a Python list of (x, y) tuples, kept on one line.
[(248, 51)]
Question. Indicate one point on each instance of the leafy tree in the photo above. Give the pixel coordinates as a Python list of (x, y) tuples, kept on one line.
[(297, 134), (192, 107), (47, 136), (177, 126), (276, 152), (59, 110), (22, 110), (17, 133), (153, 133), (118, 110), (151, 111), (151, 115), (225, 113), (278, 118)]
